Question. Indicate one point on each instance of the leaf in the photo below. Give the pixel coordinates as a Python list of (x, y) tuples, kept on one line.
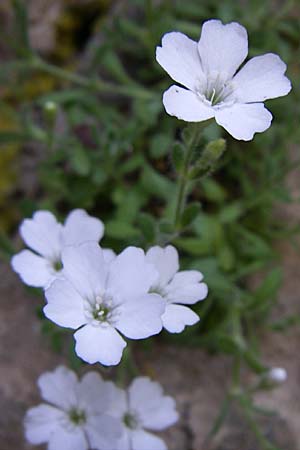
[(120, 230), (160, 145), (156, 184), (194, 246), (178, 155), (148, 226), (190, 213), (213, 190), (231, 212), (80, 160), (226, 258)]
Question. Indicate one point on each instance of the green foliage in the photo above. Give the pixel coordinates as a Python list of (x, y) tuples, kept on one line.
[(109, 147), (113, 154)]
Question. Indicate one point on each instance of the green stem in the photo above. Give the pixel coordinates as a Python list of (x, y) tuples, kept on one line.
[(93, 84), (236, 372), (262, 440), (127, 369), (219, 420), (183, 180)]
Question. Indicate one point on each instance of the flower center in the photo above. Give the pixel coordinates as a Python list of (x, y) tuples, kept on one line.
[(57, 265), (216, 89), (102, 310), (130, 420), (77, 416), (160, 290)]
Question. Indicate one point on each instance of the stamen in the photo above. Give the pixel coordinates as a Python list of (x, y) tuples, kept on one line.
[(77, 416), (130, 420)]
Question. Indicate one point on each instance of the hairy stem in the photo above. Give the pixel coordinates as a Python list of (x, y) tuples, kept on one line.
[(183, 179)]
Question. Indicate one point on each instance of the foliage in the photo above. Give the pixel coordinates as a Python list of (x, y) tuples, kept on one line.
[(105, 144)]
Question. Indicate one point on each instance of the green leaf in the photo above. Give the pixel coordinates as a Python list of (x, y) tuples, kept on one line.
[(190, 213), (120, 230), (194, 246), (213, 190), (80, 160), (160, 145), (178, 155), (226, 258), (231, 212), (148, 226), (156, 184)]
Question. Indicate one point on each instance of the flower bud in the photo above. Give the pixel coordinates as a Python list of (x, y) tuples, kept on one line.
[(50, 112), (277, 375)]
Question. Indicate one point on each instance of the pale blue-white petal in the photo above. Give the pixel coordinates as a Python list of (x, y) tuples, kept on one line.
[(186, 105), (242, 121)]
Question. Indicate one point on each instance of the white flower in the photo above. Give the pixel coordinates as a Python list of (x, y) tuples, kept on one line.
[(143, 407), (75, 416), (208, 70), (100, 298), (277, 375), (47, 237), (176, 287)]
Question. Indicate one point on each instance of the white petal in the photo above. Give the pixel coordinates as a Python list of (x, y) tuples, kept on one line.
[(81, 227), (93, 393), (130, 275), (176, 317), (68, 439), (34, 270), (40, 422), (179, 56), (243, 120), (141, 440), (85, 268), (185, 287), (165, 261), (155, 410), (65, 306), (109, 255), (99, 344), (261, 78), (58, 387), (124, 443), (185, 105), (118, 405), (103, 432), (222, 48), (141, 318), (42, 233)]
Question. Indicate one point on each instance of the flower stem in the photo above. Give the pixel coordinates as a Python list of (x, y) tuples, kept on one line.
[(219, 420), (93, 84), (262, 440), (183, 179)]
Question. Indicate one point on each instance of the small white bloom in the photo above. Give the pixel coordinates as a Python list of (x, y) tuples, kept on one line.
[(47, 237), (176, 287), (75, 416), (100, 298), (277, 375), (208, 70), (143, 407)]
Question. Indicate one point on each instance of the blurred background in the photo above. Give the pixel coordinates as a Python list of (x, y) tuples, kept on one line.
[(82, 126)]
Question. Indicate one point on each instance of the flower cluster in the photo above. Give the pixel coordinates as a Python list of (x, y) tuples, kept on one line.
[(93, 413), (47, 237), (212, 86), (103, 296)]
